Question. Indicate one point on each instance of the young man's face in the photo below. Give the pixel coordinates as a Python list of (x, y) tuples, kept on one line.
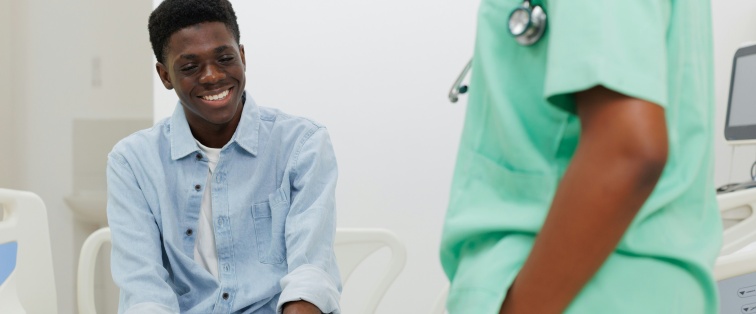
[(205, 66)]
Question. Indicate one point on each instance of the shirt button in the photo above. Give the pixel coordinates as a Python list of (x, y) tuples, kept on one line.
[(199, 156), (197, 187), (189, 232), (225, 295), (226, 267), (218, 177)]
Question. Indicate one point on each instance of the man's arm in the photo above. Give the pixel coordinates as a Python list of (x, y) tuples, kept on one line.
[(620, 157), (136, 253), (310, 229)]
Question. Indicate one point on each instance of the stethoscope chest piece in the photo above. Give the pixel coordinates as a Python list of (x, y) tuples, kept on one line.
[(527, 23)]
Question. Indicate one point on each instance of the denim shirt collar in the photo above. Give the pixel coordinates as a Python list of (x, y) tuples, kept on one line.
[(246, 134)]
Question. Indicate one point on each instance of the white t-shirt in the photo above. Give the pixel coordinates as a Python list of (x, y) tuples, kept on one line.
[(204, 243)]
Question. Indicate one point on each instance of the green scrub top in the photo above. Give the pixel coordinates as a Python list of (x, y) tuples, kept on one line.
[(521, 131)]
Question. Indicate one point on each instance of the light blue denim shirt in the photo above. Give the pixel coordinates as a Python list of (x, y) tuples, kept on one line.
[(273, 213)]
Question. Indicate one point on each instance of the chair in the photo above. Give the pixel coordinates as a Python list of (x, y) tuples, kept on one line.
[(352, 246), (85, 275), (26, 257), (440, 306)]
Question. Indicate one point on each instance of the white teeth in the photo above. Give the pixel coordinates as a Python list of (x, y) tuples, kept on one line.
[(216, 97)]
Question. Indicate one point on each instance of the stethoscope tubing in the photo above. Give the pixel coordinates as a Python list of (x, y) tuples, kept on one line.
[(528, 37), (458, 89)]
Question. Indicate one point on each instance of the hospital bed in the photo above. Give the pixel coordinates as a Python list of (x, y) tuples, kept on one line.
[(26, 270), (735, 269)]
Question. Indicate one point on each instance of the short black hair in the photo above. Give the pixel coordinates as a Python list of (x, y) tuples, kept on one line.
[(173, 15)]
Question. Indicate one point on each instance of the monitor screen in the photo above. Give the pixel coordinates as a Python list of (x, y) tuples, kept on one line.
[(741, 109)]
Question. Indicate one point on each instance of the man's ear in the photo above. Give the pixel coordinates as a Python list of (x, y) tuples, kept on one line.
[(244, 59), (162, 72)]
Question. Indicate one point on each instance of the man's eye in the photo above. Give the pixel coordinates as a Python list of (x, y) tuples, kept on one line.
[(226, 59), (188, 68)]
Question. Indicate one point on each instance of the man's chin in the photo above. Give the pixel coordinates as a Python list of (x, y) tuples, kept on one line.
[(221, 120)]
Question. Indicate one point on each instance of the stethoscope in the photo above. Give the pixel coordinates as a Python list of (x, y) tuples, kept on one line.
[(527, 24)]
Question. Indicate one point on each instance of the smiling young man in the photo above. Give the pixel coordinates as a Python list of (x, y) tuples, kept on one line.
[(225, 207)]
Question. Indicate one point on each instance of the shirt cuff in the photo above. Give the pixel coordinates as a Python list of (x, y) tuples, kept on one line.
[(312, 284), (149, 308)]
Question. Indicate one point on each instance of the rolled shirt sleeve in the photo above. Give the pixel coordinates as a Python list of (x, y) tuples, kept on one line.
[(311, 225)]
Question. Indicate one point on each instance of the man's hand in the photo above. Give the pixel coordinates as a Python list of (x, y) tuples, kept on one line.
[(300, 307), (621, 155)]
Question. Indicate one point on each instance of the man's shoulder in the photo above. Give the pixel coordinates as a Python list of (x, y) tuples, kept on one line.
[(268, 114), (279, 122)]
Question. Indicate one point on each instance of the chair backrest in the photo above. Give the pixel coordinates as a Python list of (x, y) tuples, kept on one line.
[(352, 247), (440, 306), (25, 222), (85, 276)]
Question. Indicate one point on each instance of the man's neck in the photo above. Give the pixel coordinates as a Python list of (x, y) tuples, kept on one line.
[(215, 135)]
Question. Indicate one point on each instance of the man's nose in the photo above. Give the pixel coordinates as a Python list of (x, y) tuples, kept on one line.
[(211, 75)]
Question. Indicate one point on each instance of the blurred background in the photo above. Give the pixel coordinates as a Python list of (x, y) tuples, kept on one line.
[(78, 75)]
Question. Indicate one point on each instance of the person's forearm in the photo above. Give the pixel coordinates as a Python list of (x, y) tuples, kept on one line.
[(592, 208), (300, 307), (621, 155)]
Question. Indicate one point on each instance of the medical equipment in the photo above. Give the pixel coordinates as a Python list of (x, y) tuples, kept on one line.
[(735, 269), (740, 121), (527, 23), (740, 126), (458, 88), (736, 282), (737, 201)]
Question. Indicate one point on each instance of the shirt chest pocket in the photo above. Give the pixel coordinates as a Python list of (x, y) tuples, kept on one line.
[(270, 222)]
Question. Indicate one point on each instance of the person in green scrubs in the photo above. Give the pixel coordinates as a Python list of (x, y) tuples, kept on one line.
[(584, 178)]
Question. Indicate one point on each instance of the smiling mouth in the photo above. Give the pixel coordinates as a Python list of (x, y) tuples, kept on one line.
[(220, 96)]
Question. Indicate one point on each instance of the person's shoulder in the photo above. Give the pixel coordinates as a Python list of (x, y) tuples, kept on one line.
[(281, 121), (143, 140)]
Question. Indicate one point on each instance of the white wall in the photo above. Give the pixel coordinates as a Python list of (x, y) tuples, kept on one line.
[(50, 75), (376, 73), (44, 59), (7, 131)]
